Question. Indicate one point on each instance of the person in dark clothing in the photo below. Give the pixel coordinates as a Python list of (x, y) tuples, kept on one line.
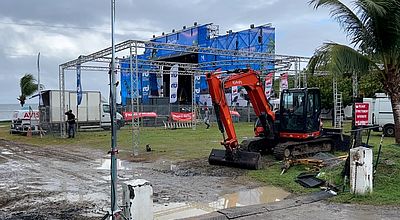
[(207, 117), (71, 123)]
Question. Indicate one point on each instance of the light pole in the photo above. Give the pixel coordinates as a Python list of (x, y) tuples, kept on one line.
[(113, 117)]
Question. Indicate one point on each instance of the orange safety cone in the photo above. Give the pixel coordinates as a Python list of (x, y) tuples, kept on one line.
[(29, 133)]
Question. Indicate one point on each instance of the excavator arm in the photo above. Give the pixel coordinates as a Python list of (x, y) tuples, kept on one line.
[(249, 79)]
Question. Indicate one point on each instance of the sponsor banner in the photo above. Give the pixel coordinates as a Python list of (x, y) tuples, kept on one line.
[(160, 81), (235, 95), (197, 87), (284, 82), (128, 115), (181, 116), (235, 113), (268, 84), (361, 113), (78, 85), (173, 86), (145, 88)]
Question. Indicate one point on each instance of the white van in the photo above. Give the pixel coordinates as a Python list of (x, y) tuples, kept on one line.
[(24, 119), (106, 117), (381, 113)]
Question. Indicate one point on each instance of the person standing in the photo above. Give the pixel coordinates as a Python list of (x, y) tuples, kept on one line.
[(207, 117), (71, 124)]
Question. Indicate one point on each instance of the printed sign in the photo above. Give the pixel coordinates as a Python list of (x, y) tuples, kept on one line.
[(180, 116), (268, 84), (173, 79), (361, 113), (128, 115), (197, 88), (78, 85), (283, 82), (145, 88)]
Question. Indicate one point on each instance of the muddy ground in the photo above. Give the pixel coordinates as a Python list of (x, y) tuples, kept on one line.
[(73, 182)]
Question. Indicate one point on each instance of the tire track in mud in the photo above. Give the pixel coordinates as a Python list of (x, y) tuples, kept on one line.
[(33, 178), (46, 175)]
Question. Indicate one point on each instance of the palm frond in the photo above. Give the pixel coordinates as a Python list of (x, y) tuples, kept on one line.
[(381, 18), (348, 20), (28, 85), (340, 59)]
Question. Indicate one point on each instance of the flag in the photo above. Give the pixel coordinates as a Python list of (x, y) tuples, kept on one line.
[(283, 82), (78, 85), (145, 88), (268, 84), (197, 87), (235, 95), (173, 79)]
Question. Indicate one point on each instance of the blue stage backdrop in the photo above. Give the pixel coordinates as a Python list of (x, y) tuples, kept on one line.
[(256, 39)]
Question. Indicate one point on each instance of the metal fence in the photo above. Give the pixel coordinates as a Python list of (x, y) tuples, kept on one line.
[(164, 113)]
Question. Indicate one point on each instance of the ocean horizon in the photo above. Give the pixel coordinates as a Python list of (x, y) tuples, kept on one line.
[(7, 110)]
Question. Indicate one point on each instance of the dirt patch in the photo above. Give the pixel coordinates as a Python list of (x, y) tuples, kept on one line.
[(73, 182)]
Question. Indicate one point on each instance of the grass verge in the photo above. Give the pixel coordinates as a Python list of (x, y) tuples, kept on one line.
[(186, 144)]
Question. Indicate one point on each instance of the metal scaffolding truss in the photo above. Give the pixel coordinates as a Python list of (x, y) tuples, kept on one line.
[(100, 61), (183, 49)]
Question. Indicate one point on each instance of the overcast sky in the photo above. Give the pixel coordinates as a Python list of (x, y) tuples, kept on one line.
[(62, 30)]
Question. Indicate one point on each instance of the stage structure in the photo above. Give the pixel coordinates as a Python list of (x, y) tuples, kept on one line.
[(188, 54)]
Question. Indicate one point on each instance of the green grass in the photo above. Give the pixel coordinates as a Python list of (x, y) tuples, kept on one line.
[(387, 179), (179, 144), (186, 144), (386, 183)]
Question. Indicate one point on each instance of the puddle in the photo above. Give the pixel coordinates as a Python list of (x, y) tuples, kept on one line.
[(6, 153), (105, 164), (251, 197), (255, 196)]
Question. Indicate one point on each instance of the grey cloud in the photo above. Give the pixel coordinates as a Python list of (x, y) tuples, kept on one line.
[(299, 30)]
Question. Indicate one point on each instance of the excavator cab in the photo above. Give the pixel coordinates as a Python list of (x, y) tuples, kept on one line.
[(299, 114)]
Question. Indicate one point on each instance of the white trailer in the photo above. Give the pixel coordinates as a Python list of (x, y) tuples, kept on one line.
[(91, 113), (381, 113)]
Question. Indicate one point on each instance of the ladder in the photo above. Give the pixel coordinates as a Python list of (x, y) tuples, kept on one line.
[(337, 108), (338, 111)]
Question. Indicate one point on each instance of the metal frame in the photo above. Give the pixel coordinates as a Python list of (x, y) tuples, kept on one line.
[(100, 60)]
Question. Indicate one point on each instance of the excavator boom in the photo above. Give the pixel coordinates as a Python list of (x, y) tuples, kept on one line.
[(233, 155)]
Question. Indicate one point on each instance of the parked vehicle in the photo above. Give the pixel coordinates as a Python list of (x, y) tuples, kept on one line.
[(381, 113), (92, 113), (293, 131), (24, 120)]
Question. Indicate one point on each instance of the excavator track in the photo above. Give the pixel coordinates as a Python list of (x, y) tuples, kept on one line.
[(293, 149)]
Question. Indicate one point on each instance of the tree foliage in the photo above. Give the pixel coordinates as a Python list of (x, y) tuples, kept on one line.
[(28, 86), (373, 28)]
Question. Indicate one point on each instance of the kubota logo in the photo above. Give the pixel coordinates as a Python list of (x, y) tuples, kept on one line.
[(237, 82)]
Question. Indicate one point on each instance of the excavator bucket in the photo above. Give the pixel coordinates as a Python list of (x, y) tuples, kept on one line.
[(241, 159)]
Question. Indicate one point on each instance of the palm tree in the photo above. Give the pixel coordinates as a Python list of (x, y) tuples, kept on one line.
[(373, 28), (28, 87)]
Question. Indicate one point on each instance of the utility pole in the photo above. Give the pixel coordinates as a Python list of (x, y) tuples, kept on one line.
[(113, 119)]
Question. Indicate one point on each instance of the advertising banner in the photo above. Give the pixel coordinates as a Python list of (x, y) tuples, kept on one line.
[(128, 115), (145, 88), (268, 84), (284, 82), (173, 86), (180, 116), (197, 88), (78, 85)]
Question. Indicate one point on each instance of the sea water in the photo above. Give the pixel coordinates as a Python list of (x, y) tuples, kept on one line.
[(7, 110)]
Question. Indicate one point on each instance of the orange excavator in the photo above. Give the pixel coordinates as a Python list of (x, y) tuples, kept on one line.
[(292, 131)]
